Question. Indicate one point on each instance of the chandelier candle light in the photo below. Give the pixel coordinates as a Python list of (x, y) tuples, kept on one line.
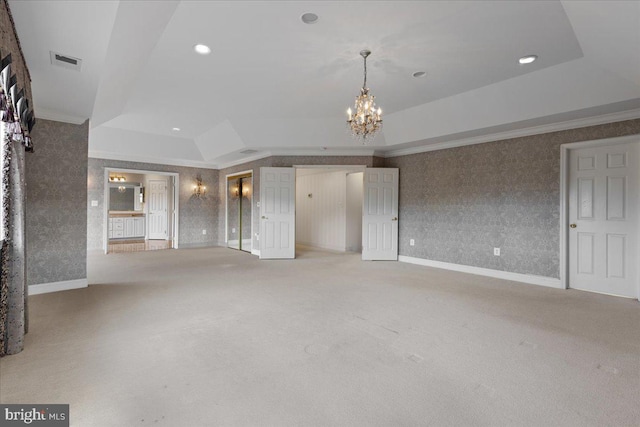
[(367, 119)]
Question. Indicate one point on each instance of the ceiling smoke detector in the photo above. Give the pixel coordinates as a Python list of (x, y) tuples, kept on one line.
[(65, 61)]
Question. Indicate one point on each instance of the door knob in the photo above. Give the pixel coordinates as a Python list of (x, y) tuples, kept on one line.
[(572, 225), (264, 217), (395, 218)]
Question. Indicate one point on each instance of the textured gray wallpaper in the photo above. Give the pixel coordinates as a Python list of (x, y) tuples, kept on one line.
[(460, 203), (56, 216), (195, 214)]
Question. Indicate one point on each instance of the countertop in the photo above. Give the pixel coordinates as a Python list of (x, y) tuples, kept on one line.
[(125, 213)]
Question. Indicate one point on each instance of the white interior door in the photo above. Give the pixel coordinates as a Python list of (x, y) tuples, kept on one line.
[(277, 213), (157, 199), (380, 215), (603, 217)]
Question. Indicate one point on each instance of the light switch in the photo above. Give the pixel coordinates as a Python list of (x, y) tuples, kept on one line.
[(94, 203)]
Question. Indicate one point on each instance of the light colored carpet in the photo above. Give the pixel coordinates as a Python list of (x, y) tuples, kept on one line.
[(214, 337)]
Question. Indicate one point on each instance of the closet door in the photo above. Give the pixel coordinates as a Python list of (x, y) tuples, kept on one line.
[(277, 213), (246, 217), (380, 215), (233, 213)]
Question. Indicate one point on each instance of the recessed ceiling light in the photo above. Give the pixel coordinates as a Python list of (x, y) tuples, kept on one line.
[(309, 18), (419, 74), (176, 129), (528, 59), (202, 49)]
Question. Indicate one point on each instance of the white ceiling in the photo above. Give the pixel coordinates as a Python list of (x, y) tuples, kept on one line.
[(278, 86)]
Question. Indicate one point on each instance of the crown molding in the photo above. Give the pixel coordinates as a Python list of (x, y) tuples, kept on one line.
[(93, 154), (294, 152), (534, 130), (329, 152), (248, 159)]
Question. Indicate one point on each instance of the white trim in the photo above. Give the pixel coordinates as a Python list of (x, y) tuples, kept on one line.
[(564, 198), (255, 252), (329, 152), (299, 152), (226, 203), (505, 275), (564, 215), (534, 130), (245, 160), (107, 155), (65, 285), (106, 200), (338, 168), (176, 201), (199, 245)]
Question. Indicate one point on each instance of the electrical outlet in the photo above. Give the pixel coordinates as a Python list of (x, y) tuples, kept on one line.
[(496, 251), (204, 231), (412, 242)]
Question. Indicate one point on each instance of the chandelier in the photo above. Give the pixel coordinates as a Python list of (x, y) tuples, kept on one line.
[(367, 119)]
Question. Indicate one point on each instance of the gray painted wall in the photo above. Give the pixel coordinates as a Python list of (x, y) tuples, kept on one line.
[(56, 214), (460, 203), (195, 214)]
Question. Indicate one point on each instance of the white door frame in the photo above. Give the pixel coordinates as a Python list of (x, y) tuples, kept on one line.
[(226, 205), (564, 200), (176, 201), (334, 168)]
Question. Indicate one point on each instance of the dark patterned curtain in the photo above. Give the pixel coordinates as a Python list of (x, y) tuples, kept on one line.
[(16, 121)]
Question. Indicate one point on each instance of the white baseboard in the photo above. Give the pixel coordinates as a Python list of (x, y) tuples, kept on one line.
[(324, 247), (45, 288), (255, 252), (506, 275), (198, 245)]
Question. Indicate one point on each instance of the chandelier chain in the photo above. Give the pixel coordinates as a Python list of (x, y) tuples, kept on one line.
[(364, 85)]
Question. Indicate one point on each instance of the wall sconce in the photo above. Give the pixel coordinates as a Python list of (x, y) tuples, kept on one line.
[(117, 179), (199, 190)]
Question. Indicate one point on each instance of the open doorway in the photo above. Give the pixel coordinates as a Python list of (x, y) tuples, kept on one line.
[(278, 212), (329, 207), (141, 209)]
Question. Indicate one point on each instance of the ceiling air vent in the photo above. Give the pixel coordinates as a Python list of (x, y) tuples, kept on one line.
[(65, 61), (248, 151)]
